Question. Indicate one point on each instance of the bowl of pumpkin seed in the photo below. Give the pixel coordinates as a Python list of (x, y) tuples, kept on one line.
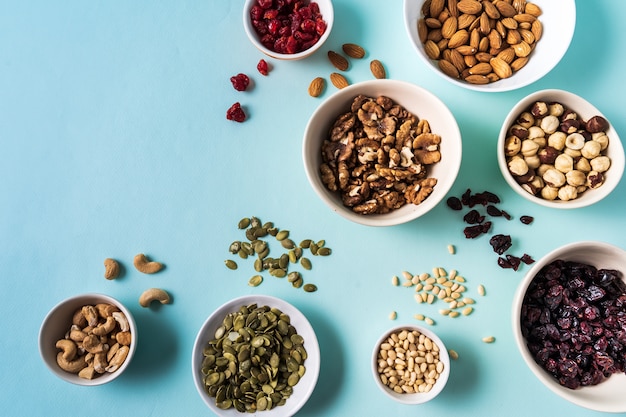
[(255, 353)]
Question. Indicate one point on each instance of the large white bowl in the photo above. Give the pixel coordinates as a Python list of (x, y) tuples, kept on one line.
[(607, 396), (327, 11), (418, 397), (416, 100), (301, 391), (57, 323), (585, 110), (558, 19)]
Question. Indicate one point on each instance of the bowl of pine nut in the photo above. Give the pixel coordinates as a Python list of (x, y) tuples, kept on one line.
[(410, 364)]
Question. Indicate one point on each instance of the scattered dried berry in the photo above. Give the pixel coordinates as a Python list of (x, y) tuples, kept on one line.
[(493, 211), (262, 67), (473, 217), (236, 113), (500, 243), (527, 259), (240, 81), (526, 219), (472, 232), (454, 203), (574, 322)]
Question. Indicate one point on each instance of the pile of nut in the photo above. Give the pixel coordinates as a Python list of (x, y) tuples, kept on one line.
[(556, 155), (479, 41), (97, 342), (408, 362), (376, 156)]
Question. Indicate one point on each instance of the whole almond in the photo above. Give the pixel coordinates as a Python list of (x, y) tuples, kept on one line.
[(457, 59), (537, 29), (317, 87), (353, 50), (431, 49), (485, 25), (501, 68), (470, 6), (519, 63), (482, 68), (525, 17), (533, 9), (452, 8), (338, 60), (449, 27), (477, 79), (447, 68), (491, 10), (422, 30), (436, 7), (466, 20), (522, 49), (338, 80), (466, 50), (509, 23), (505, 9), (461, 37), (507, 55), (378, 70)]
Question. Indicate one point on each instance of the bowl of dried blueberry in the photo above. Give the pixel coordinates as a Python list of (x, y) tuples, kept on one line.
[(288, 30), (569, 323), (558, 150), (382, 152)]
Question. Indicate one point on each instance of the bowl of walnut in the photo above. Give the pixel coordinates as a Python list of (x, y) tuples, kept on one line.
[(382, 152), (88, 339), (568, 321), (490, 45), (558, 150)]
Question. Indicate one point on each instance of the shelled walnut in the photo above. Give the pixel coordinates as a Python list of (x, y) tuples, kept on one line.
[(376, 156)]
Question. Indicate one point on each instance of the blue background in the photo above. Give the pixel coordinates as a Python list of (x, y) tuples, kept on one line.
[(113, 141)]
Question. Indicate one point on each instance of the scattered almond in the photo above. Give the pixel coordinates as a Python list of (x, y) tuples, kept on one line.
[(338, 80), (317, 87), (338, 60), (378, 70), (353, 50)]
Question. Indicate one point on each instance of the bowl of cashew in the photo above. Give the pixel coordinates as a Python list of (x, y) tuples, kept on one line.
[(88, 339)]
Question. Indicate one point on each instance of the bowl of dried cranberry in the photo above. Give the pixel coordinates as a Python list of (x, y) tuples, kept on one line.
[(569, 323), (558, 150), (288, 29)]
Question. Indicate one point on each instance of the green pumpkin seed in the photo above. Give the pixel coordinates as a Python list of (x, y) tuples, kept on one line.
[(298, 283), (234, 247), (278, 272), (230, 264), (282, 235), (255, 281), (305, 243), (324, 251), (321, 243), (283, 261), (243, 254), (255, 222), (292, 276), (258, 265), (306, 263), (313, 248), (292, 256), (287, 243), (244, 223), (309, 287)]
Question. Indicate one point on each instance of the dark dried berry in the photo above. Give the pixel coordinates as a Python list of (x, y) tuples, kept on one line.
[(514, 261), (527, 259), (465, 198), (506, 215), (526, 219), (236, 113), (454, 203), (503, 263), (472, 232), (240, 81), (500, 243), (485, 227), (473, 217), (493, 211), (262, 67)]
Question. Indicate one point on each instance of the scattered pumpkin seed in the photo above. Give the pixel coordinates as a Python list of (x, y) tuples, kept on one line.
[(255, 281), (230, 264), (287, 243), (321, 243), (306, 243), (293, 276), (298, 282), (324, 251), (306, 263), (258, 265), (244, 223), (313, 248), (282, 235), (310, 287)]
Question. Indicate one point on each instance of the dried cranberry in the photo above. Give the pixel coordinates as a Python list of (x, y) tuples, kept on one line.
[(236, 113), (493, 211), (454, 203), (500, 243), (473, 217), (240, 81), (262, 67), (526, 219), (465, 198), (472, 232), (527, 259)]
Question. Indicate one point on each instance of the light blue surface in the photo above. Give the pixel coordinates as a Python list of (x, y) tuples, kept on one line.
[(114, 141)]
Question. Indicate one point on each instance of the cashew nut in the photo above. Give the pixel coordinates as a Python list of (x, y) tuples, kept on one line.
[(146, 266), (87, 372), (71, 366), (154, 294), (122, 320), (106, 327), (68, 348), (105, 309), (100, 362), (91, 315), (111, 268), (118, 359), (92, 344)]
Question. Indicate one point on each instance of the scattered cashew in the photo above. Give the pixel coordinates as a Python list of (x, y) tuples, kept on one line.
[(111, 268), (146, 266), (154, 294)]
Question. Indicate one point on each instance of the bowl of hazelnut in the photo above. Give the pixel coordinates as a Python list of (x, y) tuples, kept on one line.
[(88, 339), (490, 45), (382, 152), (558, 150), (568, 322), (288, 30)]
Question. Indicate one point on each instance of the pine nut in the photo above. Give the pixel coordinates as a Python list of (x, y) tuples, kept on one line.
[(451, 249), (481, 290), (395, 280), (489, 339), (453, 354)]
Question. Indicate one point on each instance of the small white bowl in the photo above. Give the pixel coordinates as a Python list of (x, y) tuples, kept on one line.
[(301, 391), (327, 12), (608, 395), (585, 111), (559, 21), (419, 397), (416, 100), (57, 323)]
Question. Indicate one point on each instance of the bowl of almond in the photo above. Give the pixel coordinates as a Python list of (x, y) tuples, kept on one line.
[(491, 45), (382, 152)]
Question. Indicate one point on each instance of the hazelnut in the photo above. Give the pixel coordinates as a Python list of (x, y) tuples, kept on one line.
[(591, 149), (567, 192), (555, 109), (557, 140), (529, 147), (517, 166), (582, 164), (548, 154), (570, 126), (535, 132), (519, 131), (532, 161), (564, 163), (575, 141), (526, 120), (554, 178), (549, 193), (539, 109), (576, 178), (597, 124), (601, 138), (550, 124), (594, 179), (512, 146), (600, 163)]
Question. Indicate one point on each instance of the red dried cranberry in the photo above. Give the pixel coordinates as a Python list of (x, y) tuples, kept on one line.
[(236, 113), (265, 4), (454, 203), (240, 81), (262, 67), (465, 198), (473, 217), (527, 259), (526, 219), (500, 243), (506, 215), (493, 211)]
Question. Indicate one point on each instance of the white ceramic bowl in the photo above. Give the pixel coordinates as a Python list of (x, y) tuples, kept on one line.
[(419, 397), (585, 110), (608, 395), (57, 323), (301, 391), (327, 11), (558, 19), (416, 100)]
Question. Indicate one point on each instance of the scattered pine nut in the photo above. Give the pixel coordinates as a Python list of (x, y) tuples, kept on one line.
[(481, 290), (451, 249), (418, 298), (452, 274), (407, 275), (408, 283), (459, 278), (453, 354), (454, 314), (393, 315), (442, 272), (419, 317), (468, 300), (467, 311), (489, 339), (395, 280), (444, 312), (429, 321)]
